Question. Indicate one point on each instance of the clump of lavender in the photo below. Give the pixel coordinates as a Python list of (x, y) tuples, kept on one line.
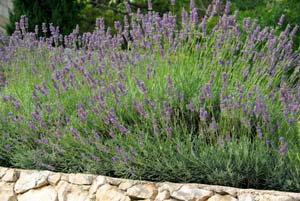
[(87, 100)]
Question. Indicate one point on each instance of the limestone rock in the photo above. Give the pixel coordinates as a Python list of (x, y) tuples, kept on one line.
[(110, 193), (113, 181), (77, 196), (70, 192), (2, 171), (163, 195), (81, 179), (191, 193), (125, 185), (31, 180), (142, 191), (7, 192), (91, 198), (99, 181), (246, 197), (10, 175), (45, 194), (64, 177), (218, 197), (171, 187), (267, 197), (54, 178), (223, 190)]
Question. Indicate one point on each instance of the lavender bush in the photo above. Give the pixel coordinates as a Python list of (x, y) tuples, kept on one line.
[(156, 101)]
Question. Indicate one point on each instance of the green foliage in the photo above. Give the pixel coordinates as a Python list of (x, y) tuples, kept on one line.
[(247, 4), (192, 151), (186, 156), (61, 13), (268, 13), (115, 10), (66, 14)]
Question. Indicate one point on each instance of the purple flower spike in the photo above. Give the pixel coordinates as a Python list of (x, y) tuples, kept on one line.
[(259, 132), (194, 16), (118, 149), (283, 148), (149, 5), (192, 106), (227, 137), (227, 8), (169, 131), (213, 125), (115, 158), (111, 133), (221, 142), (141, 85), (127, 6), (192, 4), (203, 114), (44, 28), (7, 147), (172, 2), (281, 19)]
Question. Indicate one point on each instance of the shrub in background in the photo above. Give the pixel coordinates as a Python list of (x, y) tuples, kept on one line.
[(268, 12), (113, 10), (62, 13), (66, 14)]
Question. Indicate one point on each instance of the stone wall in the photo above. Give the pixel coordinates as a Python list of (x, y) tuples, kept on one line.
[(32, 185), (5, 5)]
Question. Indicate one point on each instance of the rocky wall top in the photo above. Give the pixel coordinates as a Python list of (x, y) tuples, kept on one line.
[(32, 185)]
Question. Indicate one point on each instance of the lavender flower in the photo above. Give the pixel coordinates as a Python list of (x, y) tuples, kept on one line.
[(90, 74), (149, 4), (118, 149), (194, 16), (206, 93), (294, 31), (283, 147), (259, 132), (281, 19), (213, 125), (36, 115), (227, 8), (192, 4), (115, 158), (169, 131), (75, 134), (184, 18), (227, 137), (141, 85), (203, 26), (191, 106), (172, 2), (44, 28), (127, 6), (221, 142), (7, 147), (203, 114)]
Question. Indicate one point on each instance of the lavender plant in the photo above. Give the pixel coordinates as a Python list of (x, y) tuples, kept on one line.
[(156, 101)]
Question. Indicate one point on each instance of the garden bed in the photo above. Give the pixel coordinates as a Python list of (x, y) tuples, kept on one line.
[(204, 101), (25, 185)]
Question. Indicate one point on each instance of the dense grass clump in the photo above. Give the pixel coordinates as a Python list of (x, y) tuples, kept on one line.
[(155, 101)]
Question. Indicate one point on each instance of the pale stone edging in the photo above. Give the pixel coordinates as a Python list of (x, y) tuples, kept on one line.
[(32, 185)]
